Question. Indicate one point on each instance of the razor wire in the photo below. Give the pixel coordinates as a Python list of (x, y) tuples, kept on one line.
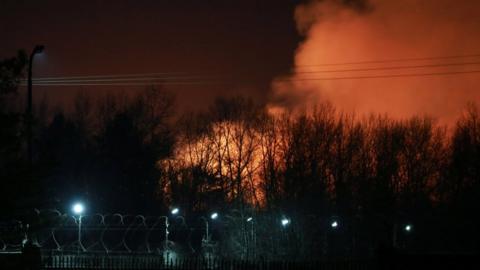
[(115, 233)]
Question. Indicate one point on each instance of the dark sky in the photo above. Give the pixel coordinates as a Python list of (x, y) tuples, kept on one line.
[(226, 39), (251, 44)]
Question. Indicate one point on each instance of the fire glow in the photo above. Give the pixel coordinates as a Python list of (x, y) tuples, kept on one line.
[(338, 33), (231, 153)]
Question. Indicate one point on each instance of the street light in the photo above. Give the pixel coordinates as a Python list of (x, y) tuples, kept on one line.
[(174, 211), (252, 233), (334, 224), (285, 222), (207, 244), (78, 209), (38, 49), (213, 216)]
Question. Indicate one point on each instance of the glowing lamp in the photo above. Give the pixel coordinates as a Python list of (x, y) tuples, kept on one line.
[(78, 208)]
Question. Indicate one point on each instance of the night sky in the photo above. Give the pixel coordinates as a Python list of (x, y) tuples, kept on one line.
[(279, 52), (247, 43)]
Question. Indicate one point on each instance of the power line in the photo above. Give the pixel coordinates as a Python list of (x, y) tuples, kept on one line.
[(394, 60), (141, 77), (130, 84), (384, 76), (291, 79), (119, 79), (391, 68), (166, 78), (113, 76)]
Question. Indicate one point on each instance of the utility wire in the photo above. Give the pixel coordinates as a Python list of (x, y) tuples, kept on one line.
[(130, 84), (391, 68), (113, 76), (184, 78), (395, 60), (117, 79), (384, 76), (141, 77), (286, 79)]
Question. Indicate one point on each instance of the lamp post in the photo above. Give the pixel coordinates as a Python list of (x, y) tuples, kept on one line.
[(166, 233), (408, 227), (208, 246), (253, 236), (38, 49), (213, 216), (78, 209), (175, 212), (166, 250)]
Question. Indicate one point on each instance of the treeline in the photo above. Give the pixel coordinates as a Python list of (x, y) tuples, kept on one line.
[(373, 175), (133, 154), (102, 150)]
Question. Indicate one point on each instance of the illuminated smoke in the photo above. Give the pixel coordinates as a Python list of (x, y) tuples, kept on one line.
[(354, 31)]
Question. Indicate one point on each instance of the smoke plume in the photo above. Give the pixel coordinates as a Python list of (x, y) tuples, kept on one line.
[(347, 35)]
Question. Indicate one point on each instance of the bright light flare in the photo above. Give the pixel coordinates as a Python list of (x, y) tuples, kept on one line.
[(285, 222), (249, 219), (214, 215), (408, 228), (78, 208), (175, 211), (334, 224)]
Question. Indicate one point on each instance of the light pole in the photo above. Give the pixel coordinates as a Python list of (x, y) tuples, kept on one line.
[(166, 233), (253, 236), (408, 228), (36, 50), (166, 250), (175, 212), (78, 209), (213, 216), (207, 245)]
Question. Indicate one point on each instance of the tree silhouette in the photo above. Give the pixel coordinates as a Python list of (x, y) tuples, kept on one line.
[(12, 162)]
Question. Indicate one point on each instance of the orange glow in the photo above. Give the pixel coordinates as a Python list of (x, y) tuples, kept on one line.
[(388, 30), (230, 152)]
